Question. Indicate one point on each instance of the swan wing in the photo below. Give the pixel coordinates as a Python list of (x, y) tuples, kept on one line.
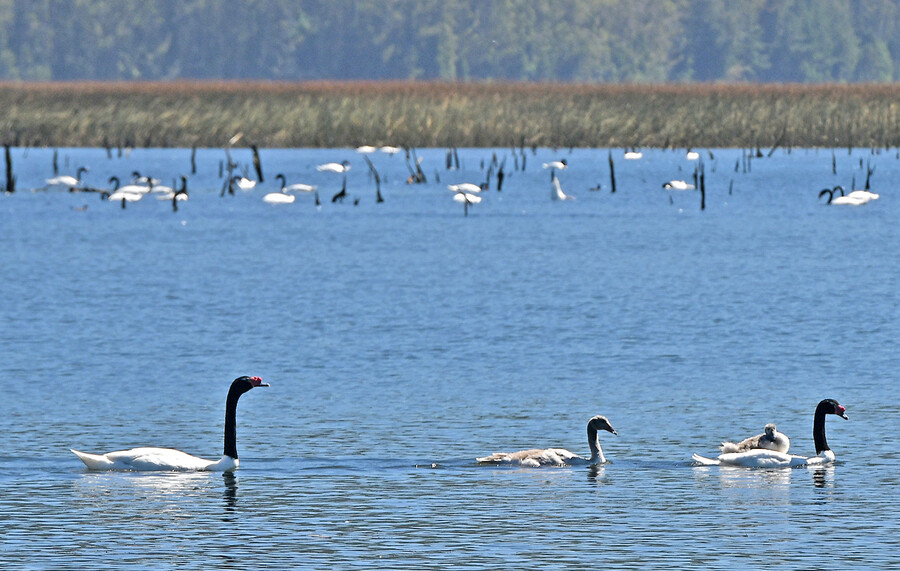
[(145, 460), (534, 457)]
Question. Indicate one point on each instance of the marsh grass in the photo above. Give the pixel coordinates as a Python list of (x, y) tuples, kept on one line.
[(336, 114)]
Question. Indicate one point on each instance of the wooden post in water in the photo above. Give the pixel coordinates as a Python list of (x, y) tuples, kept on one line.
[(10, 178), (833, 163), (612, 173), (55, 162), (702, 188), (256, 163), (194, 159)]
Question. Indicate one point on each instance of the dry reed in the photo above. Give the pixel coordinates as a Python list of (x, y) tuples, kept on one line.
[(425, 114)]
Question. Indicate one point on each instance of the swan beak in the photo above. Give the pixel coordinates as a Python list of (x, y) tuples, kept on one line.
[(842, 412), (614, 432), (258, 382)]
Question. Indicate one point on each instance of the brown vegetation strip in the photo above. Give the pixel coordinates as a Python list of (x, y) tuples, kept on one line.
[(435, 114)]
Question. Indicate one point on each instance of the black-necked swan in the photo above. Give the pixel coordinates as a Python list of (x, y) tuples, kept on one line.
[(67, 181), (296, 187), (633, 155), (557, 456), (561, 164), (762, 458), (366, 149), (128, 193), (155, 459), (692, 155), (390, 150), (770, 439), (340, 167), (856, 200)]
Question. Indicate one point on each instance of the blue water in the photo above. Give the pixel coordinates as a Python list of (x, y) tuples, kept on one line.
[(401, 340)]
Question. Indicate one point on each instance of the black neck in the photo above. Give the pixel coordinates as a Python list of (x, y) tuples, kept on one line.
[(819, 430), (234, 393)]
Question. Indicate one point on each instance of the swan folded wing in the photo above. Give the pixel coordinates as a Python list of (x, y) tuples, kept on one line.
[(534, 457), (145, 460)]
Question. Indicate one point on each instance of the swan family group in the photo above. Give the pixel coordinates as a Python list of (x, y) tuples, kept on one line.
[(766, 450)]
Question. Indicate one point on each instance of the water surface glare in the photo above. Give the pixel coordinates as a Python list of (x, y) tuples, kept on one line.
[(403, 339)]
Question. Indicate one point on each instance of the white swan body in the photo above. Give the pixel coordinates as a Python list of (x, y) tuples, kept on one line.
[(762, 458), (561, 164), (390, 150), (245, 183), (340, 167), (692, 155), (770, 439), (678, 185), (633, 155), (155, 459), (537, 457), (464, 187), (556, 191), (366, 149), (863, 195), (147, 459), (127, 196), (467, 197), (279, 198)]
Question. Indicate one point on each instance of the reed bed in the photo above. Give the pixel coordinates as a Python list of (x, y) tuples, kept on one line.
[(433, 114)]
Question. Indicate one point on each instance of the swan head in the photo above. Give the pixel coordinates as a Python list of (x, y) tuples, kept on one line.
[(599, 423), (770, 431), (245, 383), (831, 406)]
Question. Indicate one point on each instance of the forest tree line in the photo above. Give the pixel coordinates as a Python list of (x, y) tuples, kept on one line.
[(602, 41)]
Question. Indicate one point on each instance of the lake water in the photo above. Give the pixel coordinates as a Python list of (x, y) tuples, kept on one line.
[(403, 339)]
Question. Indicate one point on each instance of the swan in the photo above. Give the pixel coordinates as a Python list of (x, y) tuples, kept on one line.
[(857, 200), (557, 456), (464, 187), (296, 187), (150, 459), (340, 167), (560, 164), (556, 192), (677, 185), (128, 193), (762, 458), (366, 149), (390, 150), (692, 155), (633, 155), (67, 180), (771, 439)]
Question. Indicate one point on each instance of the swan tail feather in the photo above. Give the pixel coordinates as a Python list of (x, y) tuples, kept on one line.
[(704, 461), (93, 461)]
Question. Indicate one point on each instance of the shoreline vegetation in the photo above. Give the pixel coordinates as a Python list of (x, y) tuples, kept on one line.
[(440, 114)]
